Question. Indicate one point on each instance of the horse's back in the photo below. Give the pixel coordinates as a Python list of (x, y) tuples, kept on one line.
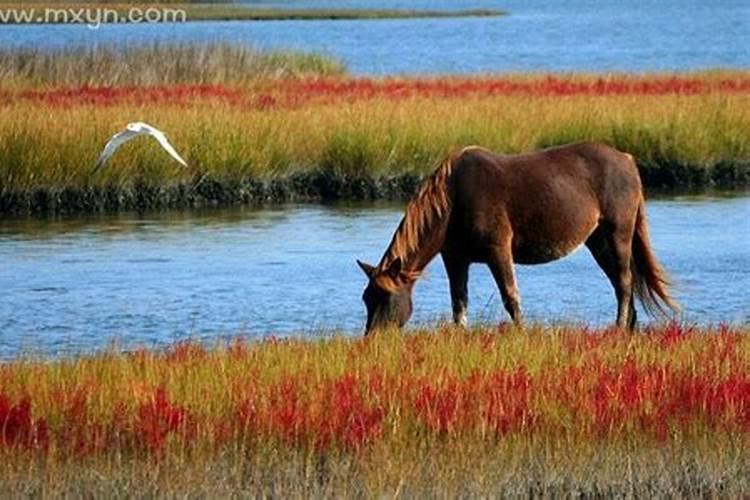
[(549, 200), (585, 169)]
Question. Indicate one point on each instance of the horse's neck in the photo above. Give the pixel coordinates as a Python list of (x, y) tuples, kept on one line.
[(421, 234), (425, 245)]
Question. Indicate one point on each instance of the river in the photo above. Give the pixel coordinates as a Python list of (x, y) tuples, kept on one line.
[(537, 36), (73, 285)]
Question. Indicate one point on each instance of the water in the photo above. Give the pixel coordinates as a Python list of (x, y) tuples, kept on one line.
[(74, 285), (542, 35)]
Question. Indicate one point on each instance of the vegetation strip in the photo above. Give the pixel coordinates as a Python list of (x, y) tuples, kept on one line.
[(92, 13), (279, 126), (244, 147), (178, 64), (300, 92), (481, 412)]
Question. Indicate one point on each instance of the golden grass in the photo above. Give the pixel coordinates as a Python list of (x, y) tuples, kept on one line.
[(44, 146), (258, 127)]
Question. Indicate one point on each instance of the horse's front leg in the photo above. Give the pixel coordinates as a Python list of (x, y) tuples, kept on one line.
[(500, 262), (458, 278)]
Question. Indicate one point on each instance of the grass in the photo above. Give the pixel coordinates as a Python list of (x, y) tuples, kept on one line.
[(158, 64), (284, 126), (213, 11), (251, 144), (545, 411)]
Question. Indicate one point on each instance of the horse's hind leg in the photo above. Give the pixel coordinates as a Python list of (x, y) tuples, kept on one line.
[(612, 251), (458, 278), (500, 261)]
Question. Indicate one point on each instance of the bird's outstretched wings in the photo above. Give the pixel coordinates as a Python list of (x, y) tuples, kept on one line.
[(134, 130)]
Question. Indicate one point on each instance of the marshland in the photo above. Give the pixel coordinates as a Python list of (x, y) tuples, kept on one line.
[(288, 126), (198, 331), (447, 412)]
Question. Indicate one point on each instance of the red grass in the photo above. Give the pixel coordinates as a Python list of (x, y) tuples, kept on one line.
[(294, 93), (158, 419), (591, 396), (543, 86), (17, 428)]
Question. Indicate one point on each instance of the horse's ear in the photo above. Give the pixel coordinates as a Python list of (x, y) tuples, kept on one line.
[(394, 268), (367, 268)]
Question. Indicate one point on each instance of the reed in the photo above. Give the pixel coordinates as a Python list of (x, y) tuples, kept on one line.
[(158, 64), (558, 410)]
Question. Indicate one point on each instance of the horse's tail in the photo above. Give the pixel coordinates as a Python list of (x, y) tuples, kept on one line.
[(650, 281)]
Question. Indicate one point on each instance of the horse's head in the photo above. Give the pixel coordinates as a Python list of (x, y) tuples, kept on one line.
[(387, 295)]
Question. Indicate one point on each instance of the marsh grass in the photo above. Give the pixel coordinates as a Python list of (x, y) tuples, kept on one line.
[(258, 127), (240, 153), (158, 64), (545, 411)]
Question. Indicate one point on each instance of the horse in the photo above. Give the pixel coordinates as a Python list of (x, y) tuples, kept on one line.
[(479, 206)]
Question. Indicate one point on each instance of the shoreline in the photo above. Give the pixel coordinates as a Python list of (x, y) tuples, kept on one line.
[(305, 187)]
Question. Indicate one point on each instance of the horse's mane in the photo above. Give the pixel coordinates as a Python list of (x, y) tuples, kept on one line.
[(428, 206)]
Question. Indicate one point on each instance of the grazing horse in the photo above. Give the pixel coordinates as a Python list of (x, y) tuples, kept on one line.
[(479, 206)]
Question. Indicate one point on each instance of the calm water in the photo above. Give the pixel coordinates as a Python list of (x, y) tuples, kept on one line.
[(73, 285), (541, 35)]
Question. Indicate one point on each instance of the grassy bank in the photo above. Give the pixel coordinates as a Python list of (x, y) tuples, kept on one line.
[(170, 12), (543, 411), (277, 143), (258, 127)]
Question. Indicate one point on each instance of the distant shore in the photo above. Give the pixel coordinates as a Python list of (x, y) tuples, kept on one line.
[(110, 13)]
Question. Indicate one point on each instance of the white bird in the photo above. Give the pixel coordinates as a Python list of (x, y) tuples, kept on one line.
[(131, 131)]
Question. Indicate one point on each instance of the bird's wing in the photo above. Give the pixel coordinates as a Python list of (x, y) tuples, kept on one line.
[(140, 129), (115, 142), (159, 136)]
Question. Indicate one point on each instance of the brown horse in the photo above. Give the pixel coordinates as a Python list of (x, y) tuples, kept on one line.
[(479, 206)]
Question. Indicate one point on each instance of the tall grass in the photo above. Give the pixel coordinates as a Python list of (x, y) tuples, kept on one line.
[(158, 64), (542, 411), (342, 138), (379, 137)]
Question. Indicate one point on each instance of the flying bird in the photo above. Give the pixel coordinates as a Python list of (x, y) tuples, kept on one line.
[(131, 131)]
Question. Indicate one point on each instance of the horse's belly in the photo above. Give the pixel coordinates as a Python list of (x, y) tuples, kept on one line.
[(540, 253), (538, 248)]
